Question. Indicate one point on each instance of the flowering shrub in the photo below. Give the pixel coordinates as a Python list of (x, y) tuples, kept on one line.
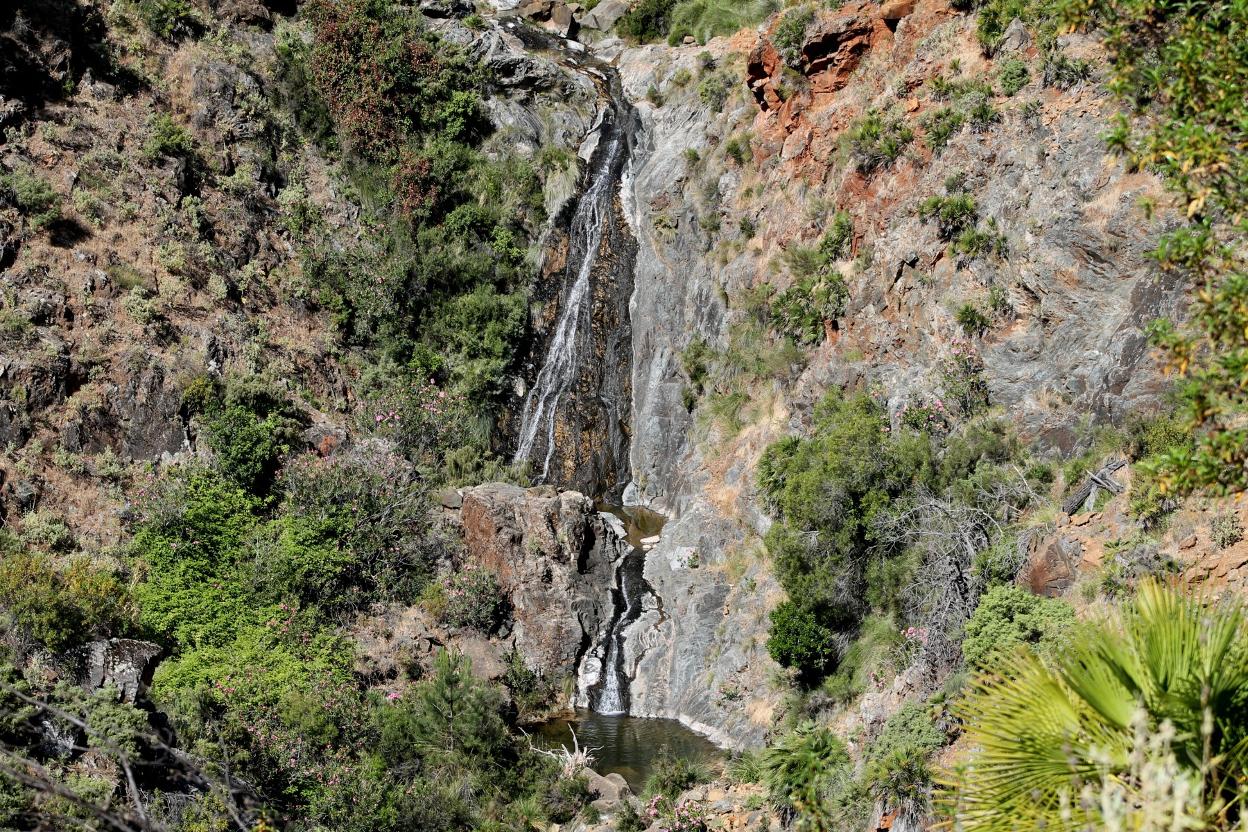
[(677, 817), (474, 600), (925, 417), (423, 420)]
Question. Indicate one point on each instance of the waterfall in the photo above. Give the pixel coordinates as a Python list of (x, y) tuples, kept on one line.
[(611, 696), (563, 357)]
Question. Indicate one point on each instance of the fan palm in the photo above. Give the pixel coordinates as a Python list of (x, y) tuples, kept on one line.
[(1050, 738)]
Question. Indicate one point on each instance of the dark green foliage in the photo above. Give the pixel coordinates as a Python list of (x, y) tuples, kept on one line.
[(877, 141), (248, 448), (1182, 74), (1063, 72), (166, 137), (738, 148), (836, 242), (713, 90), (953, 213), (33, 196), (803, 309), (169, 19), (803, 767), (980, 242), (1009, 616), (673, 775), (451, 716), (648, 20), (1013, 76), (475, 600), (566, 798), (940, 125), (982, 115), (797, 640), (908, 733), (973, 322), (790, 34), (996, 15), (705, 19)]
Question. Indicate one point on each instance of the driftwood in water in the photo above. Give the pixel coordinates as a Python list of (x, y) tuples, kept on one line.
[(1098, 479)]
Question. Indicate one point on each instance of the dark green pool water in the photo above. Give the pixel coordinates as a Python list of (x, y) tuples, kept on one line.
[(629, 745)]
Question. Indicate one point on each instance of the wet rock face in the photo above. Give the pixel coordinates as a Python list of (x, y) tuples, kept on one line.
[(553, 556)]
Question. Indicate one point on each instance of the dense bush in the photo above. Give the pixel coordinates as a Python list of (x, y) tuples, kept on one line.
[(61, 606), (474, 599), (796, 639), (952, 214), (648, 20), (1009, 616)]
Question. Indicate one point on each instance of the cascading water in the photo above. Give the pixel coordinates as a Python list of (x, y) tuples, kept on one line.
[(611, 696), (567, 346)]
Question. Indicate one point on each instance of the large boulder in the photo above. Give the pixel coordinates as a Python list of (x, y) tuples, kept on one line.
[(605, 15), (554, 558), (123, 663)]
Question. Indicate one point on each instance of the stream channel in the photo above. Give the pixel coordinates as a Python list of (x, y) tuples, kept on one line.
[(627, 745)]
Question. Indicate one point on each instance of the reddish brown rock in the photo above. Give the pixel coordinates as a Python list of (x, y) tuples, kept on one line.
[(1052, 566), (553, 555)]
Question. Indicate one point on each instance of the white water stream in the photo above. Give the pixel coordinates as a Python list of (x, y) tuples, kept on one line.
[(589, 223)]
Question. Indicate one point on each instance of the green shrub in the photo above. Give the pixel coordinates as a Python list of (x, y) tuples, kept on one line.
[(982, 115), (673, 775), (1013, 76), (836, 243), (996, 15), (738, 148), (247, 448), (62, 607), (1226, 530), (169, 19), (802, 765), (1062, 72), (566, 797), (648, 20), (797, 640), (909, 733), (1008, 616), (940, 125), (979, 242), (33, 196), (973, 322), (474, 599), (802, 310), (876, 141), (165, 137), (705, 19), (953, 213), (790, 34), (713, 90)]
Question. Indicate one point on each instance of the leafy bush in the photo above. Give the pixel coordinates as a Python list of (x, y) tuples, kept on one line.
[(165, 137), (648, 20), (1226, 530), (713, 90), (1169, 667), (835, 244), (249, 449), (876, 141), (1008, 616), (673, 775), (977, 242), (169, 19), (62, 607), (909, 733), (1063, 72), (790, 34), (705, 19), (940, 125), (797, 639), (973, 322), (801, 766), (33, 196), (474, 599), (566, 797), (1013, 76)]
